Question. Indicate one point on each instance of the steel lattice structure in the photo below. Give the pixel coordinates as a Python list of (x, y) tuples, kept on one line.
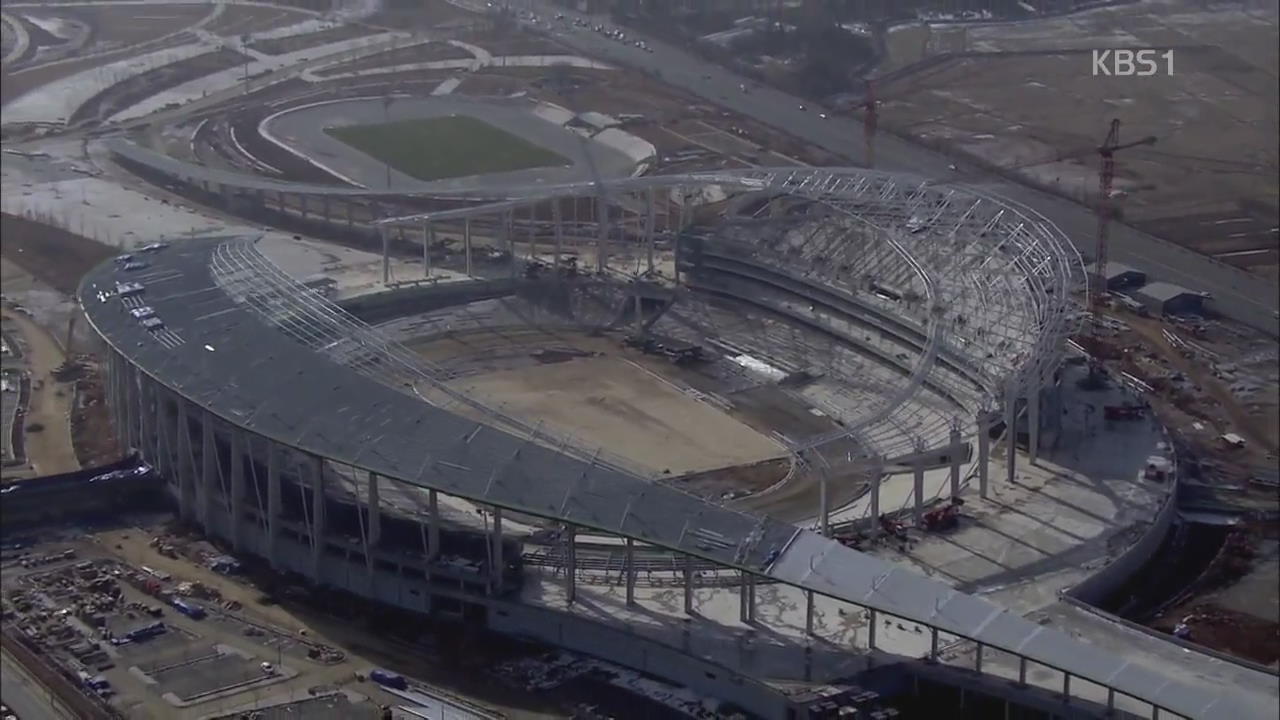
[(995, 282)]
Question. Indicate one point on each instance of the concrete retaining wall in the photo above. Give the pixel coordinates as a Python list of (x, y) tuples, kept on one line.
[(1121, 568)]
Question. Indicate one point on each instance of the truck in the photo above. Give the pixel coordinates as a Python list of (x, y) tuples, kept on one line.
[(190, 609), (386, 678), (1123, 412)]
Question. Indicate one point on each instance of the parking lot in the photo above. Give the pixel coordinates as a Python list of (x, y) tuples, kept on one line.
[(118, 629)]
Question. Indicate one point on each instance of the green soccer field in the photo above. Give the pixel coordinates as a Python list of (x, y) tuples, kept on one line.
[(445, 147)]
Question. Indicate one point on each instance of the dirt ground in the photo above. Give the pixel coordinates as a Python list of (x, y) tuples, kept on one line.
[(1030, 96), (40, 255), (54, 256), (1227, 631), (426, 52), (49, 450), (610, 400), (363, 649), (1258, 431), (126, 25), (27, 79), (295, 43)]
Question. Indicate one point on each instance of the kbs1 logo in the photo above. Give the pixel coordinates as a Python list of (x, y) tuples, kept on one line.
[(1132, 63)]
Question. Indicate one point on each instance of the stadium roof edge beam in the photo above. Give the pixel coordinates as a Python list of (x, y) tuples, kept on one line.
[(274, 387)]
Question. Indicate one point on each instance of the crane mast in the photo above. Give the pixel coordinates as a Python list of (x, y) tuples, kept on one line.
[(1106, 189)]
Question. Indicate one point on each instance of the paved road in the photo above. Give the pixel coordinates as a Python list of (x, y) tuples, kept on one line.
[(1239, 295), (28, 700)]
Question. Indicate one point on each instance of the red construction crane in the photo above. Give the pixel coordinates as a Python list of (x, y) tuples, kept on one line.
[(1106, 178)]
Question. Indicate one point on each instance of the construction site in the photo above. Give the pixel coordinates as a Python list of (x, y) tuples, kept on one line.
[(734, 407)]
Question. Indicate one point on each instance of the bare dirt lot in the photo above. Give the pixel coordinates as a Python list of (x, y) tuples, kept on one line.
[(1024, 94), (239, 19), (54, 256), (125, 25), (425, 52), (611, 400), (294, 43), (28, 79), (47, 422)]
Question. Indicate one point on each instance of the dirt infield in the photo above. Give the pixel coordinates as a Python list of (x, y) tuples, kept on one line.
[(607, 399)]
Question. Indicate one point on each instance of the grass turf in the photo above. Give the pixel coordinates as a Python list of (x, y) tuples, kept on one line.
[(445, 147)]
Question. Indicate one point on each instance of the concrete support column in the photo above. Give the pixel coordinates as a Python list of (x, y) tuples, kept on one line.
[(751, 598), (273, 503), (533, 233), (428, 239), (495, 541), (984, 453), (688, 585), (649, 229), (302, 204), (111, 383), (876, 479), (1066, 687), (824, 507), (130, 407), (602, 237), (208, 471), (918, 491), (350, 214), (386, 254), (236, 501), (557, 221), (164, 444), (957, 457), (316, 470), (681, 220), (744, 598), (1033, 424), (571, 564), (374, 512), (808, 612), (630, 570), (186, 481), (1022, 672), (433, 525), (977, 659), (147, 420), (466, 244), (933, 644), (1011, 435), (873, 624)]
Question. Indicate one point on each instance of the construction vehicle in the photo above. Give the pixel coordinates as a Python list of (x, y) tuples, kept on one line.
[(944, 518), (893, 528), (1124, 412)]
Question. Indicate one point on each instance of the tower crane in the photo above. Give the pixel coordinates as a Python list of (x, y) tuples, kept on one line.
[(1098, 288)]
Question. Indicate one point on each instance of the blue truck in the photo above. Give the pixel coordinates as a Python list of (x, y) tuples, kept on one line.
[(191, 610)]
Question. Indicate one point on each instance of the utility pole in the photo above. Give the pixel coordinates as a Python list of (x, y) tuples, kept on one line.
[(869, 123), (1098, 288)]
